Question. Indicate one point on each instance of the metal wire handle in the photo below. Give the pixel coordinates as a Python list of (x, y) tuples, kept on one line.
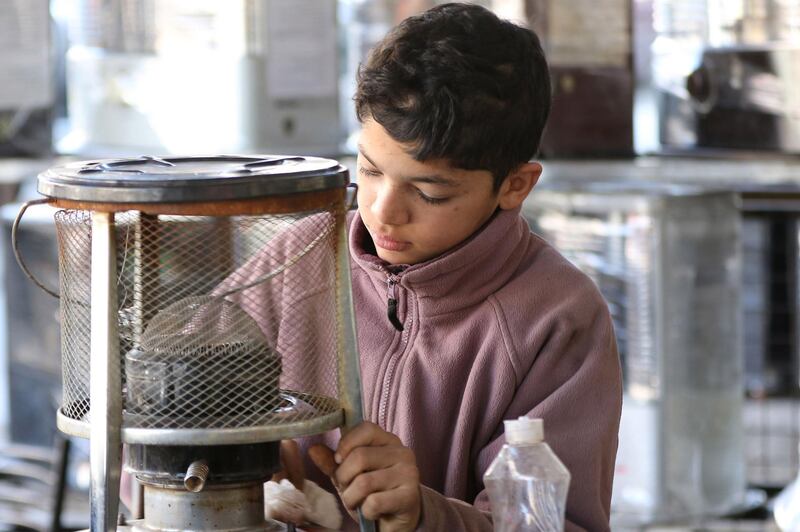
[(14, 242), (350, 203)]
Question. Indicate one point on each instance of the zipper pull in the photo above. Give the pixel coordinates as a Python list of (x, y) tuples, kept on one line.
[(393, 319)]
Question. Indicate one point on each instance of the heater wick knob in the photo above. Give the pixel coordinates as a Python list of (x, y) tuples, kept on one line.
[(196, 475)]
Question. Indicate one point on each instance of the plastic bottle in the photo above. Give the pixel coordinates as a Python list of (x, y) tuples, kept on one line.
[(527, 483)]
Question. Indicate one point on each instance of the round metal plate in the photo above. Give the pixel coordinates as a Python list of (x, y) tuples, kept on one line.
[(191, 179), (333, 417)]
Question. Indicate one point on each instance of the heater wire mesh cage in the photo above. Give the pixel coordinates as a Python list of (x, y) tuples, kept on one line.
[(224, 322)]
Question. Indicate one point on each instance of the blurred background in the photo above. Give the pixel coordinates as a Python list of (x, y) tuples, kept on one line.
[(672, 177)]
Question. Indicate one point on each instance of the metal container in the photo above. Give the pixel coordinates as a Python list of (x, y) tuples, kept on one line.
[(668, 260), (205, 315)]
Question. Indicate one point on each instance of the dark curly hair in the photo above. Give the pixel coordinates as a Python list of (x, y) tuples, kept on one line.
[(458, 83)]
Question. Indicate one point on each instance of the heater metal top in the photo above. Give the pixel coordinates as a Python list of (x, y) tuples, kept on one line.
[(191, 179)]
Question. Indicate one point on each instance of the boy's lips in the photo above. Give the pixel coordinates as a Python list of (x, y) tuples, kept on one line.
[(390, 244)]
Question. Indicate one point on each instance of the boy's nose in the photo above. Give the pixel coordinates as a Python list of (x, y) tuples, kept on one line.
[(388, 207)]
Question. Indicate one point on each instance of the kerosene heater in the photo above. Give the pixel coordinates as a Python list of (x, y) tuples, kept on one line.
[(206, 315)]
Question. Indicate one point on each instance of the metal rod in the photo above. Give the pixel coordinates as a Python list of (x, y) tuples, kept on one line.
[(146, 282), (105, 452), (349, 376), (349, 364), (62, 464)]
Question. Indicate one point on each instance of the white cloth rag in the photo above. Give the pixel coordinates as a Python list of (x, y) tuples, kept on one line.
[(284, 502)]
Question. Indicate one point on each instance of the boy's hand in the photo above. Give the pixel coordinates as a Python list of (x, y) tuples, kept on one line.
[(376, 473), (291, 464), (292, 469)]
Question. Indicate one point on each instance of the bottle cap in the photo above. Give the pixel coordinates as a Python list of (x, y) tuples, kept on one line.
[(524, 430)]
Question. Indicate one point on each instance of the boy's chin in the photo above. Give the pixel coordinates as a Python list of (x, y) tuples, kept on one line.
[(394, 258)]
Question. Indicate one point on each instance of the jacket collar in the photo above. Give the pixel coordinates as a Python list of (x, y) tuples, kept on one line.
[(464, 276)]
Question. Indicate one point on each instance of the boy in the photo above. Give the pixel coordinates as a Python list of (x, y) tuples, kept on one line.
[(464, 317)]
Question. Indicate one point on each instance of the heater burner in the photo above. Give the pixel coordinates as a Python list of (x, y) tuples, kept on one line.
[(187, 387), (204, 362)]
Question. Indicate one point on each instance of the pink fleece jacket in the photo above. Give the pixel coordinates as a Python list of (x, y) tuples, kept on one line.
[(499, 327)]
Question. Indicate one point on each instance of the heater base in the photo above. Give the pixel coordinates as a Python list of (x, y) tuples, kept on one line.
[(139, 526), (269, 526), (217, 509)]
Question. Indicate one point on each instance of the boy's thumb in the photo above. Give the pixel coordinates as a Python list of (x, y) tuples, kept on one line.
[(323, 459), (292, 463)]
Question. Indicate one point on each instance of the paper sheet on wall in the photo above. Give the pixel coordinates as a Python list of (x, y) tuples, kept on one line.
[(301, 49), (24, 54)]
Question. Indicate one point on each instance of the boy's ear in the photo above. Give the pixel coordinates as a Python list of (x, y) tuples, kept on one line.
[(518, 185)]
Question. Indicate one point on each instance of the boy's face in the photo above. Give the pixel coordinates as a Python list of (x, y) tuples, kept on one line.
[(414, 210)]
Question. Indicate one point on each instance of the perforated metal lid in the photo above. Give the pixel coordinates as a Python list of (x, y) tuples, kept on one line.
[(191, 179)]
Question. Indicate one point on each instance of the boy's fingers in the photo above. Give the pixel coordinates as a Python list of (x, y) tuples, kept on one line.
[(323, 459), (365, 434), (367, 484), (385, 503), (292, 462), (364, 459)]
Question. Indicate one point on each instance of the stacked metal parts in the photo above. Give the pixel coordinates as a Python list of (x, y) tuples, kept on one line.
[(206, 315), (726, 74), (667, 260), (772, 345)]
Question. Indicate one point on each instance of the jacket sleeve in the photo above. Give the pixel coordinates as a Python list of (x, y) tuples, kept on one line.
[(440, 513), (574, 383)]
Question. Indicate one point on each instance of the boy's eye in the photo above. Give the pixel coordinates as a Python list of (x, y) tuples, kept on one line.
[(367, 172), (429, 199)]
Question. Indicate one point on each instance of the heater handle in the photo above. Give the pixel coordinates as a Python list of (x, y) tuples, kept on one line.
[(351, 197), (14, 245)]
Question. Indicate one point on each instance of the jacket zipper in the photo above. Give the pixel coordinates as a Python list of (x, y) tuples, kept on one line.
[(388, 376), (391, 282)]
